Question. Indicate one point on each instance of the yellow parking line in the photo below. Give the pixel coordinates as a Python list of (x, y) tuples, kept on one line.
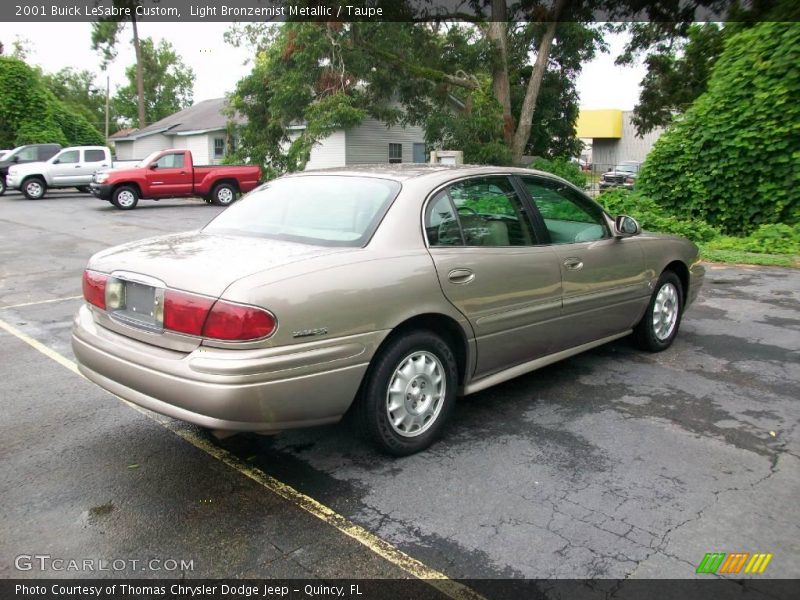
[(41, 302), (381, 547)]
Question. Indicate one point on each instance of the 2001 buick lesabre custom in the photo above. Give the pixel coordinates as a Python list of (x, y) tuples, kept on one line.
[(392, 289)]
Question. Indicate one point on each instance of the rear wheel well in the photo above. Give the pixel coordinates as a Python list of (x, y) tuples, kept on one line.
[(231, 182), (441, 325), (682, 271)]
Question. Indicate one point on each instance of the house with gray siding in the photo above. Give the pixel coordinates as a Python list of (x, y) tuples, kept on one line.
[(202, 128)]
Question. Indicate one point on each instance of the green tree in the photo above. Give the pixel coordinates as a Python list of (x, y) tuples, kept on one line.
[(680, 55), (79, 93), (332, 75), (168, 83), (733, 159), (30, 112)]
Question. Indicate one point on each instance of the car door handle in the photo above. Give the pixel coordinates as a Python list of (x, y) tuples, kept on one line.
[(573, 263), (459, 276)]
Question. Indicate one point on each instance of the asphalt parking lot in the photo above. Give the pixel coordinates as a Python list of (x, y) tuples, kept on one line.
[(612, 464)]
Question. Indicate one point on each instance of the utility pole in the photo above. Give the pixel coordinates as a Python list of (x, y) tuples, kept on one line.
[(108, 90)]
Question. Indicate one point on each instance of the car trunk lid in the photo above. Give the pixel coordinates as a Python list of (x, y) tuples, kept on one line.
[(195, 262)]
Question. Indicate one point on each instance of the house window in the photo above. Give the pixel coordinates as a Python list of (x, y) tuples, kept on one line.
[(395, 153), (219, 147)]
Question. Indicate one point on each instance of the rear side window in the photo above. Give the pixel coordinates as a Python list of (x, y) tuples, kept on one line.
[(330, 210), (95, 156), (484, 211)]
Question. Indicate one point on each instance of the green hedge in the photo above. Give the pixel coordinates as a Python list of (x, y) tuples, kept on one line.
[(772, 239), (733, 159)]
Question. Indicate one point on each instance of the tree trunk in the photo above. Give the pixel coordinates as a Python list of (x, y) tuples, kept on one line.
[(497, 33), (139, 73), (534, 85)]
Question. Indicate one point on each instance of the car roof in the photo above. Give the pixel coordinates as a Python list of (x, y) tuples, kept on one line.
[(406, 171)]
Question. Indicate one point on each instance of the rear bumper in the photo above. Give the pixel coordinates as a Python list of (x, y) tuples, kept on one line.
[(99, 190), (236, 390)]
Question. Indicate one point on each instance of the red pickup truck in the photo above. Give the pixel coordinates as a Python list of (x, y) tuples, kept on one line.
[(172, 174)]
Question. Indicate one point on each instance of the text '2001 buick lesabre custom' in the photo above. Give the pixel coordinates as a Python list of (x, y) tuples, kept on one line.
[(387, 291)]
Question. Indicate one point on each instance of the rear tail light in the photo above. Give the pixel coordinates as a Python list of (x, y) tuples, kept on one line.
[(94, 288), (185, 313), (219, 320), (228, 321)]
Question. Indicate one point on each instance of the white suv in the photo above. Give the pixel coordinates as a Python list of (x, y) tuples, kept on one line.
[(72, 167)]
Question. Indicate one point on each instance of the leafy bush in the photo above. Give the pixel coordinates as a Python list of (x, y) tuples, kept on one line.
[(733, 159), (767, 239), (565, 169)]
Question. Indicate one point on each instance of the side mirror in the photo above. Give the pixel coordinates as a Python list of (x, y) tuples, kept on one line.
[(153, 167), (56, 161), (15, 158), (625, 226)]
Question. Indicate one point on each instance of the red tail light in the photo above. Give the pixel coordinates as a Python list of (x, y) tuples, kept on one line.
[(185, 313), (94, 288), (220, 320), (229, 321)]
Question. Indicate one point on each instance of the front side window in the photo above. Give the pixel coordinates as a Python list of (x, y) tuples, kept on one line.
[(568, 217), (70, 156), (28, 154), (170, 161), (219, 147), (395, 153), (329, 210)]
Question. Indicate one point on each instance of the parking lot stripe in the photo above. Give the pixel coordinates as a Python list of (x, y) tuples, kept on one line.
[(41, 302), (379, 546)]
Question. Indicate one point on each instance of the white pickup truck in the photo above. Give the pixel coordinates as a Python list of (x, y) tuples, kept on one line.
[(71, 167)]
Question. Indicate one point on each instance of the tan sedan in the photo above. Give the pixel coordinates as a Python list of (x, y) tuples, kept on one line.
[(387, 291)]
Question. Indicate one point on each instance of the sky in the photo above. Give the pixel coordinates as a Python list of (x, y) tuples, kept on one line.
[(218, 66)]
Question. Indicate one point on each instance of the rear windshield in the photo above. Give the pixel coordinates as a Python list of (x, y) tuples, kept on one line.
[(328, 210)]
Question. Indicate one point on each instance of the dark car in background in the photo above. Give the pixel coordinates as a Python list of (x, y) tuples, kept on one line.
[(25, 154), (622, 175)]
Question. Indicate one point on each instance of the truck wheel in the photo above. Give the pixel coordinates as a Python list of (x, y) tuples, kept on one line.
[(125, 197), (223, 195), (34, 188)]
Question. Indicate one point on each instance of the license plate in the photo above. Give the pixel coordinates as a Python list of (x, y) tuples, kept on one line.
[(139, 305)]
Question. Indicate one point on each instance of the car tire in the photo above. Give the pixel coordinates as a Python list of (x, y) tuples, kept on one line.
[(34, 188), (84, 189), (125, 197), (2, 184), (224, 194), (662, 319), (408, 393)]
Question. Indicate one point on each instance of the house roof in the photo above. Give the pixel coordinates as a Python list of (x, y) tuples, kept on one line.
[(122, 133), (198, 118)]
